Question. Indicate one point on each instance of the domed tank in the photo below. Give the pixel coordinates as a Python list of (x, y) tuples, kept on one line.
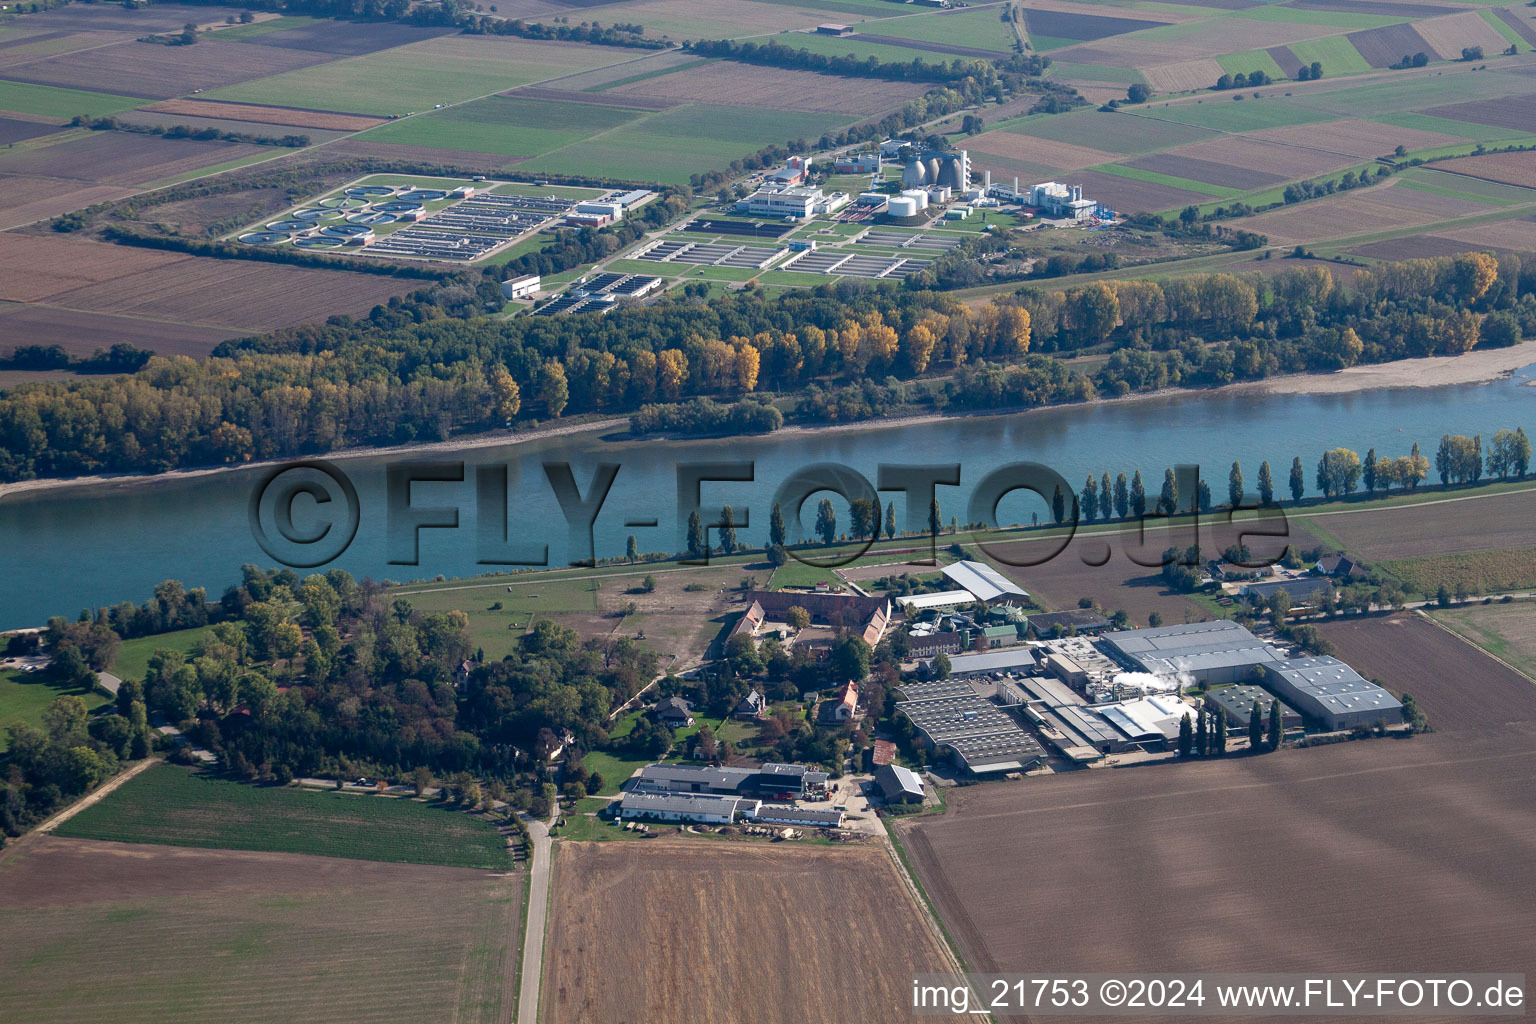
[(914, 174), (932, 164), (949, 174)]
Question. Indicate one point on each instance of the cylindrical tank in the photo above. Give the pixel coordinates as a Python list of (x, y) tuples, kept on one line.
[(918, 196), (986, 179), (914, 174), (902, 206)]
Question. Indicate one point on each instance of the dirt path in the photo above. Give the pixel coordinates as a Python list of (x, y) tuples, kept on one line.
[(79, 805), (534, 924)]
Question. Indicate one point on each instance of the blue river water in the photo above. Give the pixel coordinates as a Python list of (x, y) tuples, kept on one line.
[(91, 545)]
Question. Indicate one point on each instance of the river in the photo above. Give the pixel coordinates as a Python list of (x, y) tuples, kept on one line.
[(90, 545)]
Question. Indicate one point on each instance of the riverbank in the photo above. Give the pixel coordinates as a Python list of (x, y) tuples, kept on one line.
[(493, 439), (1477, 367)]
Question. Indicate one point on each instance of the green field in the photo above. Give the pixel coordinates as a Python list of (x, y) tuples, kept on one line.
[(981, 29), (1336, 53), (1503, 630), (1465, 129), (1487, 572), (133, 656), (175, 807), (24, 695), (257, 29), (1460, 186), (401, 81), (1333, 19), (1150, 129), (1173, 181), (50, 101), (837, 46), (674, 144), (1095, 72), (504, 125), (1250, 61), (1223, 113)]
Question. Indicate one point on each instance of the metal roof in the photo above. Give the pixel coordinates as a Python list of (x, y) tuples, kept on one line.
[(937, 688), (982, 580), (980, 734), (894, 780), (940, 599), (685, 803), (1192, 646), (1325, 686), (992, 661), (697, 775)]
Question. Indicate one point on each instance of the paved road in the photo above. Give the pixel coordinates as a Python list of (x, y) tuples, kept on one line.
[(538, 904)]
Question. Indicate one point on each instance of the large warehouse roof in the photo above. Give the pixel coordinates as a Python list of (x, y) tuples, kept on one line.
[(685, 803), (1192, 647), (941, 599), (985, 738), (1326, 688), (982, 580), (1007, 660), (669, 776)]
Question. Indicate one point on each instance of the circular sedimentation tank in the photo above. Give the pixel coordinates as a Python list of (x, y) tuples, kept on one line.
[(370, 191), (289, 225), (397, 206), (424, 195), (370, 217), (265, 238), (316, 242), (315, 213), (343, 230), (343, 203)]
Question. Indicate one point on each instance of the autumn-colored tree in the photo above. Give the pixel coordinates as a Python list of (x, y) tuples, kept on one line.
[(917, 347), (554, 390), (748, 362), (671, 373), (509, 397)]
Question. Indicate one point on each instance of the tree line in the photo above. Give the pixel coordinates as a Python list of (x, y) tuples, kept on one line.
[(430, 365), (186, 131)]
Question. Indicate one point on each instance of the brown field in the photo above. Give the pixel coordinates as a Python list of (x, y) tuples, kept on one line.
[(1382, 47), (187, 295), (25, 198), (19, 48), (1360, 212), (1514, 235), (1449, 34), (160, 72), (285, 116), (1509, 168), (1465, 694), (653, 62), (81, 334), (1416, 247), (1182, 76), (1412, 531), (1290, 162), (1370, 856), (171, 934), (1352, 137), (597, 99), (727, 82), (1096, 11), (1517, 114), (1118, 583), (236, 294), (693, 930), (123, 159), (423, 154), (33, 267), (1041, 151), (1206, 170), (1297, 861), (1130, 195), (1507, 631)]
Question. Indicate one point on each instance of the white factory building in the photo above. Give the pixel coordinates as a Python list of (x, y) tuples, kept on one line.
[(1064, 201)]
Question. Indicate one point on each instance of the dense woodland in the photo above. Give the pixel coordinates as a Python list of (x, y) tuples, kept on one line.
[(429, 366)]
